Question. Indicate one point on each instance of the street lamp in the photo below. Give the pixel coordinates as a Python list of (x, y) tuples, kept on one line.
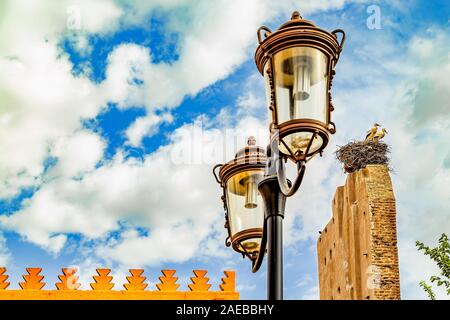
[(243, 203), (297, 62)]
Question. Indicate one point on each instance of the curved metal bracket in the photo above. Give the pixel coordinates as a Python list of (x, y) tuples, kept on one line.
[(266, 34), (342, 32), (257, 262), (215, 174), (332, 127), (341, 44), (285, 188)]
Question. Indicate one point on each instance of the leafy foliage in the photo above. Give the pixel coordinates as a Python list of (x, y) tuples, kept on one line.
[(428, 289), (440, 255)]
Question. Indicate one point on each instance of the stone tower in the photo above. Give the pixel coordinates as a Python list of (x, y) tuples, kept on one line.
[(357, 250)]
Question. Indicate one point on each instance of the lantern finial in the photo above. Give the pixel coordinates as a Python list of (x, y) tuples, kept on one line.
[(296, 15), (251, 141)]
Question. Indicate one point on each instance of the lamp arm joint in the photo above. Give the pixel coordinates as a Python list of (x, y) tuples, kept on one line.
[(285, 188)]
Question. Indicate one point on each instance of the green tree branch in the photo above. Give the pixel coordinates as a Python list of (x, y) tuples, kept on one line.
[(441, 256)]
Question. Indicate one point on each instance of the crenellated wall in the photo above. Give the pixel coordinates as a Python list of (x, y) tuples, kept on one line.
[(135, 288), (357, 250)]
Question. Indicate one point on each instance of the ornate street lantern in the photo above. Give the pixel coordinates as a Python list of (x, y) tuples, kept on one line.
[(243, 203), (298, 62)]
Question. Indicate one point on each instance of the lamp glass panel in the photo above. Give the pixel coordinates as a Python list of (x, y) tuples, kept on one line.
[(298, 143), (301, 84), (245, 205)]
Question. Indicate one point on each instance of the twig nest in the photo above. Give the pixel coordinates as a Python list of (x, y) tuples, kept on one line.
[(357, 155)]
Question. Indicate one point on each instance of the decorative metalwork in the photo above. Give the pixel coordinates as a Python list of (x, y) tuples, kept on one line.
[(298, 32), (247, 159)]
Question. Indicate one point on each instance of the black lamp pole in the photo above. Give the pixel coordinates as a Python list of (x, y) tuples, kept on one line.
[(274, 202)]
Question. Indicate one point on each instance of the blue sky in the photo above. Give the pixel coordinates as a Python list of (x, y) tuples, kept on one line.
[(101, 97)]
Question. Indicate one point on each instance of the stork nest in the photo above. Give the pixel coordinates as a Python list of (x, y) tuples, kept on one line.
[(357, 155)]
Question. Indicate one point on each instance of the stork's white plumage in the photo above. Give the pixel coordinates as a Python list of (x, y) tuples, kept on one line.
[(379, 135), (371, 133)]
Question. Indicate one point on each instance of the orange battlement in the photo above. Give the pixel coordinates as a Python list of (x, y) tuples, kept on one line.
[(67, 288)]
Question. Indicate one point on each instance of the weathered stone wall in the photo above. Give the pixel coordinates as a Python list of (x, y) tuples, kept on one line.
[(357, 250)]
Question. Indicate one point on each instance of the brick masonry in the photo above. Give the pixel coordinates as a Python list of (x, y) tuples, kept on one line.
[(357, 250)]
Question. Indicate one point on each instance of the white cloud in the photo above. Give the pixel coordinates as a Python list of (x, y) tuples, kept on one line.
[(30, 22), (4, 252), (417, 267), (421, 182), (40, 95), (90, 18), (146, 126), (209, 49), (41, 102), (175, 201), (312, 293), (77, 154), (432, 94), (250, 101), (245, 287), (127, 66), (214, 40), (165, 244)]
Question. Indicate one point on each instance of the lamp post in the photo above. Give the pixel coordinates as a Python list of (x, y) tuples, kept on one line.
[(297, 62)]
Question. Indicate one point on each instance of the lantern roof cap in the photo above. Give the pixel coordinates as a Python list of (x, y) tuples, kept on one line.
[(251, 157), (251, 149), (296, 21), (296, 32)]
